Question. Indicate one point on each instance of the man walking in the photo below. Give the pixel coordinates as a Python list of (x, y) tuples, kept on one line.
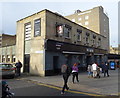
[(66, 73), (94, 68), (18, 68), (105, 69)]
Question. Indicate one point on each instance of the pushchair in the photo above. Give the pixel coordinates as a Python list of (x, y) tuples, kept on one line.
[(98, 72), (6, 90)]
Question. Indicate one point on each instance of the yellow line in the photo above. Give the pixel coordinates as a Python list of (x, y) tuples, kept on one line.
[(58, 88)]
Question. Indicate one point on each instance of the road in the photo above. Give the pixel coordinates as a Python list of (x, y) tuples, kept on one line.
[(29, 88)]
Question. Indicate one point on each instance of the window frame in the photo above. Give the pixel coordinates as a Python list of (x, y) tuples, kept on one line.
[(39, 34)]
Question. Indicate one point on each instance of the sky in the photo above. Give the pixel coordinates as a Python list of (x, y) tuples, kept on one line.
[(14, 11)]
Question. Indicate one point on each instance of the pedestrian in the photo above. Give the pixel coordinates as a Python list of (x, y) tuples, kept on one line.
[(105, 69), (98, 71), (66, 71), (18, 68), (89, 69), (94, 68), (75, 72)]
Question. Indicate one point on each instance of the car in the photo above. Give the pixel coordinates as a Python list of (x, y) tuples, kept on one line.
[(7, 70)]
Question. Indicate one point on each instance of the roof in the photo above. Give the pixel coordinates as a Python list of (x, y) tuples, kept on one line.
[(59, 16)]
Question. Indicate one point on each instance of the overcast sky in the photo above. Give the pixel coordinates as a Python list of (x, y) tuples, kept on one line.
[(13, 11)]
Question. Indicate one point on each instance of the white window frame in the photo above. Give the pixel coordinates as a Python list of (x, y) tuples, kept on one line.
[(86, 17), (86, 22)]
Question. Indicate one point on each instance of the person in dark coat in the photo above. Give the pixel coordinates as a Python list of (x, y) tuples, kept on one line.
[(105, 69), (18, 68), (66, 71)]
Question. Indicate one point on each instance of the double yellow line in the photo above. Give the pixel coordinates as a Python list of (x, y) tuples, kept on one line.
[(59, 88), (71, 91)]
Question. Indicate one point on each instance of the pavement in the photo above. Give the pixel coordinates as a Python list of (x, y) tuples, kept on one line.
[(103, 86)]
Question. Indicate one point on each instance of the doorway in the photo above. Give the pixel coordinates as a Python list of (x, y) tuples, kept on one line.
[(55, 64), (26, 63), (88, 60)]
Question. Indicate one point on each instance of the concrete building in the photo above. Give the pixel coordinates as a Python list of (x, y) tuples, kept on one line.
[(46, 40), (114, 50), (94, 19), (7, 48)]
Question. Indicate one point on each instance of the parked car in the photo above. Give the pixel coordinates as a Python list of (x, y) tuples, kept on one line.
[(7, 70)]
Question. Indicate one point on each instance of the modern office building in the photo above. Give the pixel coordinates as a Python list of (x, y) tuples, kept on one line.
[(7, 48), (46, 40), (94, 19)]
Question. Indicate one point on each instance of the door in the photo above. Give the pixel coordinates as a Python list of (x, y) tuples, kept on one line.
[(26, 63), (88, 60), (55, 64)]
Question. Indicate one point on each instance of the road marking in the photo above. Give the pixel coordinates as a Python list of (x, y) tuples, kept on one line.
[(59, 88), (71, 91)]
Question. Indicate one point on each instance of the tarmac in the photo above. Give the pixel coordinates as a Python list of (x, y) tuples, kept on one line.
[(103, 86)]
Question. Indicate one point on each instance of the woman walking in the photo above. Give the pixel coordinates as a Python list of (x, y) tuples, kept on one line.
[(75, 72)]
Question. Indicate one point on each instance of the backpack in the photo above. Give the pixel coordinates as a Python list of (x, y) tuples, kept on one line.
[(63, 69)]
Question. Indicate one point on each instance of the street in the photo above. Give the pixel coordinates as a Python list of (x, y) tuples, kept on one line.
[(28, 85), (28, 88)]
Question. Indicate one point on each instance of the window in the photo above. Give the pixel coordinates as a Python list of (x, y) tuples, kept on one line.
[(67, 30), (87, 37), (86, 17), (73, 20), (13, 58), (59, 30), (86, 23), (79, 32), (3, 58), (79, 19), (80, 23), (37, 27), (8, 58), (28, 31), (87, 40)]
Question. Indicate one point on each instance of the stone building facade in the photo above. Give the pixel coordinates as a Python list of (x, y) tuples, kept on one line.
[(46, 40), (94, 19), (7, 48)]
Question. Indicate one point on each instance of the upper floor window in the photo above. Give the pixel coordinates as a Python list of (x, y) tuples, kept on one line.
[(79, 32), (86, 23), (86, 17), (73, 20), (28, 31), (80, 23), (37, 27), (79, 19), (67, 31), (59, 30), (87, 37)]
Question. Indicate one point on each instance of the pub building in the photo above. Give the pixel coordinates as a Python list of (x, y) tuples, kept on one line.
[(46, 40)]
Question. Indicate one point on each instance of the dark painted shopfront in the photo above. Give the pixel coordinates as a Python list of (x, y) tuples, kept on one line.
[(58, 53)]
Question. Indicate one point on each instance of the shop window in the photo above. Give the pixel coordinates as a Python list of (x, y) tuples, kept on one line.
[(37, 27)]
